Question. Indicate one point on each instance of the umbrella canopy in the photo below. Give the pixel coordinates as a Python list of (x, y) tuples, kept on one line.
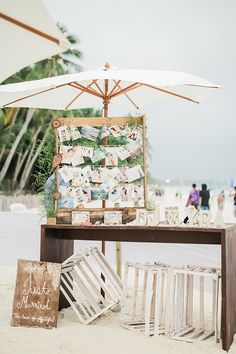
[(107, 85), (28, 35)]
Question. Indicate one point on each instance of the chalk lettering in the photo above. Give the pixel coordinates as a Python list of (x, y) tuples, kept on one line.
[(16, 315), (37, 305), (28, 289), (47, 319)]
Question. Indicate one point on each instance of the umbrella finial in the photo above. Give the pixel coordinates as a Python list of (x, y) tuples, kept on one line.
[(106, 66)]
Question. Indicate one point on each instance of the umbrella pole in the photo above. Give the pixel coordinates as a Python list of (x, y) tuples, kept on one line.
[(105, 141)]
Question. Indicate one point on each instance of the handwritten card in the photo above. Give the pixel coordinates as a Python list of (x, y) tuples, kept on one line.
[(98, 155), (80, 217), (63, 133), (36, 296), (74, 133), (134, 173), (111, 158), (122, 153), (113, 217)]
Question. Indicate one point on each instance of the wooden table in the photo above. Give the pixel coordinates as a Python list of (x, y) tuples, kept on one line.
[(57, 244)]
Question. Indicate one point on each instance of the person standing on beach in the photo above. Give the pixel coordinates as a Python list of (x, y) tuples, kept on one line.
[(233, 194), (221, 200), (204, 197), (193, 198)]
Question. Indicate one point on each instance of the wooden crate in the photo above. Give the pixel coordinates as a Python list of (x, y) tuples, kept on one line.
[(85, 277), (144, 305), (161, 301), (186, 322)]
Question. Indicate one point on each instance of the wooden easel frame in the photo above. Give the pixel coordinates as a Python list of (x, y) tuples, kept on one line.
[(99, 122)]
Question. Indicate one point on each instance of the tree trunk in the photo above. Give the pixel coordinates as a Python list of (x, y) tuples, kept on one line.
[(27, 164), (18, 167), (15, 116), (16, 143), (30, 165), (2, 152)]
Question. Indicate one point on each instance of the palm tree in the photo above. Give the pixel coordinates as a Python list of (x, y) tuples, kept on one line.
[(24, 131)]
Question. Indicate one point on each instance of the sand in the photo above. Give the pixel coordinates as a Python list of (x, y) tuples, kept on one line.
[(104, 336)]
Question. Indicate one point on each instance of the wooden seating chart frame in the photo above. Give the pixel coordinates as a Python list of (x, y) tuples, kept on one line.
[(97, 122)]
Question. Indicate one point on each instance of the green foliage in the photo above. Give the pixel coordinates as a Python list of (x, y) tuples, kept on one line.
[(50, 212), (12, 120), (134, 120), (48, 200), (43, 167)]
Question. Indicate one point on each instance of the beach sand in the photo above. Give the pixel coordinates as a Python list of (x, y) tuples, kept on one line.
[(104, 336)]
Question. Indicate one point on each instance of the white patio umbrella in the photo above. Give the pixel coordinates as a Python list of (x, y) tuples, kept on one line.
[(104, 86), (28, 34)]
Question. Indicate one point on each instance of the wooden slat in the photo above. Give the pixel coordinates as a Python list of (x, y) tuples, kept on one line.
[(115, 275), (101, 283), (80, 317), (87, 292), (135, 290), (148, 304), (81, 282), (29, 28), (158, 304), (116, 290), (94, 288), (68, 282), (97, 121), (145, 273), (201, 304), (72, 304)]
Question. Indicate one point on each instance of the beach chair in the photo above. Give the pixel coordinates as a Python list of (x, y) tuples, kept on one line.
[(18, 208)]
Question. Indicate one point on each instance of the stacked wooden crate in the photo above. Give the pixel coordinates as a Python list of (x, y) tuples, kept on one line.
[(144, 308), (189, 322), (161, 301)]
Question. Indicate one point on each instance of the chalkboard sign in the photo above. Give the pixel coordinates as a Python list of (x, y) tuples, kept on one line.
[(36, 296)]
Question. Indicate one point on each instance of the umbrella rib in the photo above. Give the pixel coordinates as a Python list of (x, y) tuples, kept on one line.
[(76, 97), (72, 101), (126, 89), (213, 87), (29, 28), (136, 85), (127, 96), (83, 88), (170, 93), (32, 95), (117, 83), (130, 99), (99, 88)]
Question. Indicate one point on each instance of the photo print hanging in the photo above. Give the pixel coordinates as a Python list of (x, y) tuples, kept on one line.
[(91, 174)]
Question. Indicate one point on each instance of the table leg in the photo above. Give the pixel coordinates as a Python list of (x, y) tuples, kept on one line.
[(228, 317), (57, 250)]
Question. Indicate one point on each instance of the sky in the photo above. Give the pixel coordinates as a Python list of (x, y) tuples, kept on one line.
[(189, 141)]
